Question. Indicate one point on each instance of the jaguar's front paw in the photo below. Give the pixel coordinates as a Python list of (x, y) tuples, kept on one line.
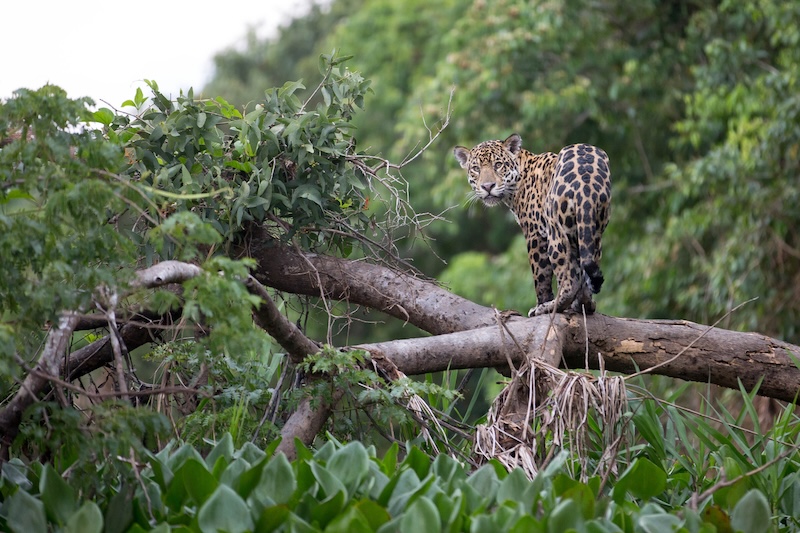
[(542, 309)]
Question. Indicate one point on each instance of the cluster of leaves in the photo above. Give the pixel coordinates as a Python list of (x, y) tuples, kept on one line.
[(280, 159), (96, 455), (349, 488), (239, 391), (729, 223)]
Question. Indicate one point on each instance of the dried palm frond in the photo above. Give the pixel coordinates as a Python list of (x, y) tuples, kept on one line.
[(544, 409)]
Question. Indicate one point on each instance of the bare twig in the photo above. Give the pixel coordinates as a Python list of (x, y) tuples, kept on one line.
[(110, 302), (116, 394)]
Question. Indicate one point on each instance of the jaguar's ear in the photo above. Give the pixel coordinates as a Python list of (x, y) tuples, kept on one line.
[(513, 144), (462, 154)]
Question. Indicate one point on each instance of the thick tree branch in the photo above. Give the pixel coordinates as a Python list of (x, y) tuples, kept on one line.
[(307, 420), (721, 356), (467, 335), (415, 300), (164, 273), (270, 319), (490, 346)]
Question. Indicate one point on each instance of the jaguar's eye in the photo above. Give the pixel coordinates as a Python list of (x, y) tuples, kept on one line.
[(498, 165), (475, 169)]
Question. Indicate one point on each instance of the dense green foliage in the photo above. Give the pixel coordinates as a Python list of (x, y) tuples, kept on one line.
[(695, 102), (347, 487), (89, 196)]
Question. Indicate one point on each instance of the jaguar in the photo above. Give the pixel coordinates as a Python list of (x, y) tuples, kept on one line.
[(561, 201)]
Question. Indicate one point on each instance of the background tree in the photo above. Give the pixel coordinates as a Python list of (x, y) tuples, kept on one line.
[(682, 96)]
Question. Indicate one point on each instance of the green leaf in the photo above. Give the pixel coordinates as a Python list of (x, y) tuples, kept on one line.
[(349, 464), (449, 471), (303, 452), (309, 192), (659, 523), (350, 521), (197, 480), (526, 524), (485, 482), (272, 517), (329, 483), (156, 134), (418, 461), (25, 514), (186, 176), (752, 514), (582, 494), (277, 481), (181, 455), (104, 116), (225, 511), (119, 513), (14, 472), (421, 516), (244, 481), (139, 99), (566, 517), (328, 509), (375, 515), (224, 447), (87, 519), (252, 453), (162, 473), (289, 88), (514, 487), (58, 497), (642, 479), (715, 516), (399, 491)]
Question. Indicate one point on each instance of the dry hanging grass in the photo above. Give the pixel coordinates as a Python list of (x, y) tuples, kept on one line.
[(544, 409)]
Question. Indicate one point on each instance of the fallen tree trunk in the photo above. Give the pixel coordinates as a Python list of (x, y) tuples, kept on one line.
[(675, 348)]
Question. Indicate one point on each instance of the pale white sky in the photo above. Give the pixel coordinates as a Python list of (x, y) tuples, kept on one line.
[(104, 48)]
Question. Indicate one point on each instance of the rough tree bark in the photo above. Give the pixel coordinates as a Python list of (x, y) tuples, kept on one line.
[(403, 296)]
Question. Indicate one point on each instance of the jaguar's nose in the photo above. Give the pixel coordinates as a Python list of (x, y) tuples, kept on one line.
[(488, 186)]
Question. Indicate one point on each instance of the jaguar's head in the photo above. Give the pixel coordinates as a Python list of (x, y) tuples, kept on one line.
[(492, 168)]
